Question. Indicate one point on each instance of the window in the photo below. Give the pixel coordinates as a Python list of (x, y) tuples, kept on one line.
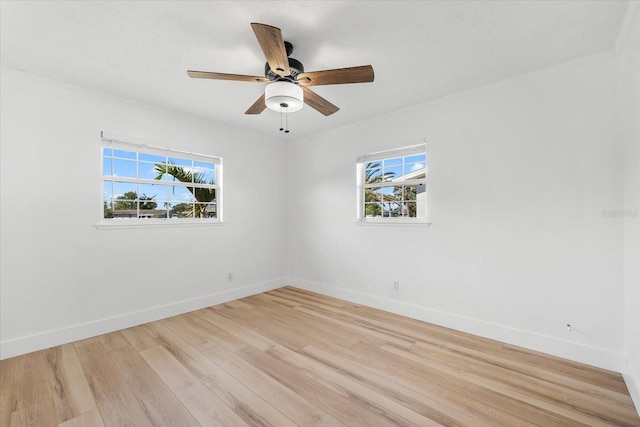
[(391, 185), (155, 185)]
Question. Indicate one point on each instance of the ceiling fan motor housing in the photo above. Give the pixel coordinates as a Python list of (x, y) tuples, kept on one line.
[(295, 67)]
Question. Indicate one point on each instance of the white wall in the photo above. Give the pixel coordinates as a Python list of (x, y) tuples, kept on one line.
[(62, 279), (519, 176), (629, 95)]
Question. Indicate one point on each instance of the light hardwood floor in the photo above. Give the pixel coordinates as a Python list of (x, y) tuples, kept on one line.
[(290, 357)]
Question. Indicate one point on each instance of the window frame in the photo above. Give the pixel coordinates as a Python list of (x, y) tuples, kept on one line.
[(141, 147), (361, 162)]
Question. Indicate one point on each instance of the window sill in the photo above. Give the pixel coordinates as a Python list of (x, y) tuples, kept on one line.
[(128, 224), (394, 222)]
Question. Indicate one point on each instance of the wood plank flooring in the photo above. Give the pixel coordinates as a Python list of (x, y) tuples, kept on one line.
[(289, 357)]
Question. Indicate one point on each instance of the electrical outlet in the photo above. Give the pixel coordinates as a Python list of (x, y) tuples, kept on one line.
[(396, 285), (229, 277)]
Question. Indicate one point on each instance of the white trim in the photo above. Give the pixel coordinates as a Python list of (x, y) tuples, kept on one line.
[(632, 380), (594, 356), (220, 193), (408, 150), (112, 140), (403, 222), (147, 181), (130, 223), (396, 182), (39, 341)]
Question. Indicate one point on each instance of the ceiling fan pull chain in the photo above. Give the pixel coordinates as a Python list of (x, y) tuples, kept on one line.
[(286, 121), (283, 112)]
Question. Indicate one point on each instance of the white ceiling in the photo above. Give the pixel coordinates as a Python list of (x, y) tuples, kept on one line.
[(420, 50)]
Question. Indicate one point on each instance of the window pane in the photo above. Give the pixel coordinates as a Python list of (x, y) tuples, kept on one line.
[(386, 193), (181, 209), (416, 174), (410, 192), (152, 201), (205, 195), (372, 210), (108, 210), (106, 167), (373, 165), (212, 210), (151, 213), (411, 209), (373, 194), (205, 210), (392, 172), (393, 162), (124, 168), (125, 213), (373, 171), (151, 158), (203, 166), (373, 175), (107, 190), (181, 194), (180, 162), (395, 193), (414, 167), (152, 193), (125, 199), (391, 209), (126, 190), (147, 170), (107, 152), (205, 172), (204, 175), (107, 199), (125, 154), (166, 171)]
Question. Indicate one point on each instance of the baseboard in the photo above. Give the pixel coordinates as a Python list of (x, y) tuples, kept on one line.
[(599, 357), (632, 380), (27, 344)]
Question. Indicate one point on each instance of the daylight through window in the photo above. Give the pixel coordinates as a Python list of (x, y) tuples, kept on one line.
[(391, 185), (142, 182)]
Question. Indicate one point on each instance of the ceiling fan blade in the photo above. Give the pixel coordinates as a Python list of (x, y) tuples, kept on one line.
[(272, 44), (257, 107), (318, 103), (361, 74), (224, 76)]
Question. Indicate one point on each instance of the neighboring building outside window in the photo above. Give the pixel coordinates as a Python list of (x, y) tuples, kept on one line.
[(141, 183), (392, 186)]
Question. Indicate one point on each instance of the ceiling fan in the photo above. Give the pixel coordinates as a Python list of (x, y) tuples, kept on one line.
[(288, 86)]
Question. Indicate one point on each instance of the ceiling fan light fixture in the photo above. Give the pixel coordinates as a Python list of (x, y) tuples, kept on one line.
[(283, 96)]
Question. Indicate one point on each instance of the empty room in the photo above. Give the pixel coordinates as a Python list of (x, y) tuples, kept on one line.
[(299, 213)]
